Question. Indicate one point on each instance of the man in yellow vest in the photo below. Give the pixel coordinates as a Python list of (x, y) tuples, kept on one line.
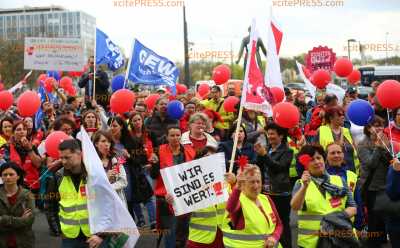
[(216, 103), (73, 212)]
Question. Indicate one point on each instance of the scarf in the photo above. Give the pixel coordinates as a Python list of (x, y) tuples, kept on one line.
[(335, 191)]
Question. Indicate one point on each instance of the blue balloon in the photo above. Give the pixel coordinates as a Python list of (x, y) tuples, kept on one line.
[(54, 74), (360, 112), (117, 82), (175, 109)]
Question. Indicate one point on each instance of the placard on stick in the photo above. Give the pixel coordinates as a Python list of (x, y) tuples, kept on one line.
[(196, 184)]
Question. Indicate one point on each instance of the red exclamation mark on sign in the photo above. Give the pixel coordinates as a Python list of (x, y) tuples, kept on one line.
[(218, 188)]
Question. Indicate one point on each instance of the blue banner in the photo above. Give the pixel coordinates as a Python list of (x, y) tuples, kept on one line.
[(107, 52), (147, 67), (44, 97)]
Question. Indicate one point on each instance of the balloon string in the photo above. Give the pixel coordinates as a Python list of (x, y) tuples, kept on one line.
[(390, 132), (380, 139)]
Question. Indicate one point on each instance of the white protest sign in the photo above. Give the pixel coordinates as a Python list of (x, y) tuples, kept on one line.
[(196, 184), (55, 54)]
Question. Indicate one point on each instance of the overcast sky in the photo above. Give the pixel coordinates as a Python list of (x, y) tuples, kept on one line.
[(213, 25)]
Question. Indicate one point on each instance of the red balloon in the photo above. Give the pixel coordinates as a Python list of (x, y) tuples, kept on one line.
[(221, 74), (203, 90), (66, 82), (49, 84), (53, 141), (181, 89), (354, 77), (230, 103), (278, 94), (286, 115), (320, 78), (6, 100), (122, 101), (388, 94), (151, 100), (343, 67), (42, 77), (28, 104)]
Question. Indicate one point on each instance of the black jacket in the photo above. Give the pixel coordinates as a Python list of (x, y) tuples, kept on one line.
[(276, 166), (157, 127), (102, 85), (337, 231)]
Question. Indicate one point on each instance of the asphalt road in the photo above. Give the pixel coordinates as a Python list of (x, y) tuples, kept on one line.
[(44, 240)]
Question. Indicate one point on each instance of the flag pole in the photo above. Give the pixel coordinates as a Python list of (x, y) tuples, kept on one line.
[(94, 65), (129, 65), (242, 100)]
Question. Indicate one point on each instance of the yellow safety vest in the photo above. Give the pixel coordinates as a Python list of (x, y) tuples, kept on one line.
[(256, 230), (292, 168), (326, 138), (226, 116), (73, 214), (204, 222), (317, 207)]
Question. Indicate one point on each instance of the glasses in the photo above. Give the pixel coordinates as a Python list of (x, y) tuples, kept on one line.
[(199, 123)]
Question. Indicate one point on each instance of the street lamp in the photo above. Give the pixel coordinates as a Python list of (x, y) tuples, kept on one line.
[(386, 60), (348, 46)]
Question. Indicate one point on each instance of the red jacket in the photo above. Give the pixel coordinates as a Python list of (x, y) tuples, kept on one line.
[(167, 160), (31, 178)]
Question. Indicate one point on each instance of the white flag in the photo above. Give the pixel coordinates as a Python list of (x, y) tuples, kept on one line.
[(107, 212), (330, 88), (273, 77)]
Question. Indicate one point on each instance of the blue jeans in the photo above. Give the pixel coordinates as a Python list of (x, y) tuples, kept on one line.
[(74, 243), (169, 236), (151, 210)]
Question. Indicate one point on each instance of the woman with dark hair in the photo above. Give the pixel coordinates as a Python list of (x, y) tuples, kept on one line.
[(170, 154), (318, 194), (375, 161), (274, 162), (16, 209), (35, 136), (333, 131), (6, 125), (113, 166), (140, 151), (119, 132), (244, 149), (91, 122), (21, 151)]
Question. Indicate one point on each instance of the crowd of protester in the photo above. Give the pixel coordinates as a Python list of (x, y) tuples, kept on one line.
[(297, 187)]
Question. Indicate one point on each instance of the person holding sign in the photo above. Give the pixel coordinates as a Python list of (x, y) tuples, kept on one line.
[(170, 154), (254, 221), (318, 194), (205, 224)]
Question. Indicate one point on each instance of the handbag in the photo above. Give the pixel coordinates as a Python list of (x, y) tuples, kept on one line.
[(385, 205)]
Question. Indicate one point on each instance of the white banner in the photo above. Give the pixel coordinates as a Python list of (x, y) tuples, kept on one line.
[(196, 184), (53, 54)]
